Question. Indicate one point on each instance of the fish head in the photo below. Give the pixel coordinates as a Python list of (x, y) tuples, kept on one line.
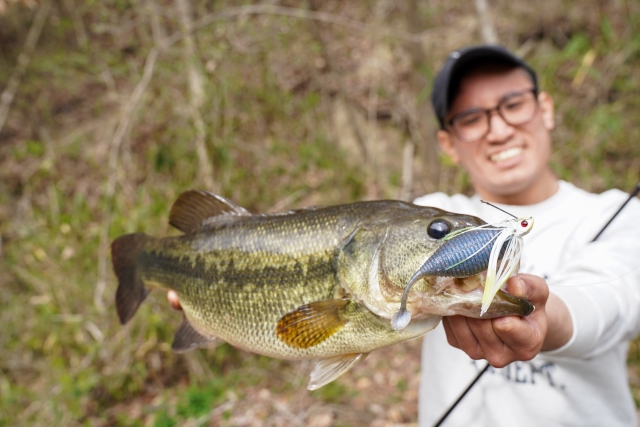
[(441, 292), (411, 240), (385, 255)]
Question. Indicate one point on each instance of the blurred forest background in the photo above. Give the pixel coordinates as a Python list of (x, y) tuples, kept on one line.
[(109, 109)]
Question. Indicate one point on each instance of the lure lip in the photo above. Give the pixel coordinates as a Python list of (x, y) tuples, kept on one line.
[(528, 308)]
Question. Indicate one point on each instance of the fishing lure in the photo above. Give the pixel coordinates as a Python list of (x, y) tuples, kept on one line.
[(496, 248)]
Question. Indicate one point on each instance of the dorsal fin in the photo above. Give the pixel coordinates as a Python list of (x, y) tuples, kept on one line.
[(193, 207)]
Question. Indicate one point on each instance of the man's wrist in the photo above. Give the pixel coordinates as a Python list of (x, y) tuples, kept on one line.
[(559, 324)]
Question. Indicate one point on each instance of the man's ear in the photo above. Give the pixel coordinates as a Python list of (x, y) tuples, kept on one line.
[(446, 144), (546, 110)]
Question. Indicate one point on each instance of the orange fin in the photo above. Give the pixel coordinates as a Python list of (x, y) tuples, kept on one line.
[(131, 292), (188, 338), (193, 207), (312, 323)]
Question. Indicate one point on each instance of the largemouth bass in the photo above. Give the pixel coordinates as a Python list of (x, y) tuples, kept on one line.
[(316, 283)]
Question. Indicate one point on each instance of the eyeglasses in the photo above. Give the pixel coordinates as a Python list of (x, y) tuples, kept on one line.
[(516, 109)]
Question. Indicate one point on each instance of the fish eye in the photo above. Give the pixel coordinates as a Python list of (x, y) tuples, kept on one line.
[(438, 229)]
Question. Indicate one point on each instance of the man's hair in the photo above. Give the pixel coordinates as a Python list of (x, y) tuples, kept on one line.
[(460, 63)]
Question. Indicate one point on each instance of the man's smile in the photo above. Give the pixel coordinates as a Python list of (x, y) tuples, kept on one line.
[(507, 154)]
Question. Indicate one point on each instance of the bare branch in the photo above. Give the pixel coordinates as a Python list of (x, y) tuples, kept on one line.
[(196, 90), (281, 204), (486, 23), (156, 24), (407, 170), (78, 25), (9, 92)]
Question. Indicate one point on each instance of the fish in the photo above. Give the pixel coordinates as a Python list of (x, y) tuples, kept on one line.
[(318, 283)]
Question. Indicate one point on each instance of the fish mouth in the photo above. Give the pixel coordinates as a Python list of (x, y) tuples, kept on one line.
[(463, 296), (503, 304)]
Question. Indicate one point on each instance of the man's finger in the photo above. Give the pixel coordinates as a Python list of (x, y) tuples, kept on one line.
[(493, 347), (522, 335), (532, 288), (465, 338), (517, 287), (451, 336), (174, 301)]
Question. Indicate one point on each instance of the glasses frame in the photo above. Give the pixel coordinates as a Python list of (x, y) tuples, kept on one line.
[(488, 111)]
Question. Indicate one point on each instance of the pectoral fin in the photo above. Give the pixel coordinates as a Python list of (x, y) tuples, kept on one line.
[(187, 338), (327, 370), (312, 323)]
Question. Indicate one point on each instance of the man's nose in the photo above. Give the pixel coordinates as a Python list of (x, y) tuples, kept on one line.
[(499, 130)]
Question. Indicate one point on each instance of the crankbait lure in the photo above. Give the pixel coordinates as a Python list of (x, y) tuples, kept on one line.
[(496, 248)]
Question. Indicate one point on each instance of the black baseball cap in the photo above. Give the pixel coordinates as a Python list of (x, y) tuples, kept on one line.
[(458, 62)]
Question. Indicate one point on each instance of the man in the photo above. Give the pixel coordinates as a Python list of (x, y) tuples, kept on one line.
[(565, 363)]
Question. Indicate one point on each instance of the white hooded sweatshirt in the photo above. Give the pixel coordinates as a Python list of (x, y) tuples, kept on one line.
[(583, 383)]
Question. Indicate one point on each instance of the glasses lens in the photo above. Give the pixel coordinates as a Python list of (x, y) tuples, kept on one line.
[(518, 109), (471, 126)]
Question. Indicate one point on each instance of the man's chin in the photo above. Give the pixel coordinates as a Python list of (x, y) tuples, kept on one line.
[(508, 187)]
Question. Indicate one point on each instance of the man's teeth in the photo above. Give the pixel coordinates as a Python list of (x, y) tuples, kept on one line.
[(506, 154)]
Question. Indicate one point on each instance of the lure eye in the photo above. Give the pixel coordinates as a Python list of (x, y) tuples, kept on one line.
[(438, 229), (524, 223)]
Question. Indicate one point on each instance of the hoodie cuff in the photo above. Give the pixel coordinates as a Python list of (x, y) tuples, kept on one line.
[(586, 317)]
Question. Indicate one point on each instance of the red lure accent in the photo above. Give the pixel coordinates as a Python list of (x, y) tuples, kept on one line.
[(524, 223)]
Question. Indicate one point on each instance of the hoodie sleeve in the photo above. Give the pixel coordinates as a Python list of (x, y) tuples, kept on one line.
[(599, 281)]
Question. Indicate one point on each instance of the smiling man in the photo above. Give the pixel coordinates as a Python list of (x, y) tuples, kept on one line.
[(565, 363)]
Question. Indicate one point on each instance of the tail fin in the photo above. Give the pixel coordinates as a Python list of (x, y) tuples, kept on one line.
[(131, 292)]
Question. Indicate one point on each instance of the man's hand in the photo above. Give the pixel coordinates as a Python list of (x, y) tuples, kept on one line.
[(174, 301), (506, 339)]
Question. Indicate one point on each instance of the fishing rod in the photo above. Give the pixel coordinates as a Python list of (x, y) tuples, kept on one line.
[(438, 423)]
